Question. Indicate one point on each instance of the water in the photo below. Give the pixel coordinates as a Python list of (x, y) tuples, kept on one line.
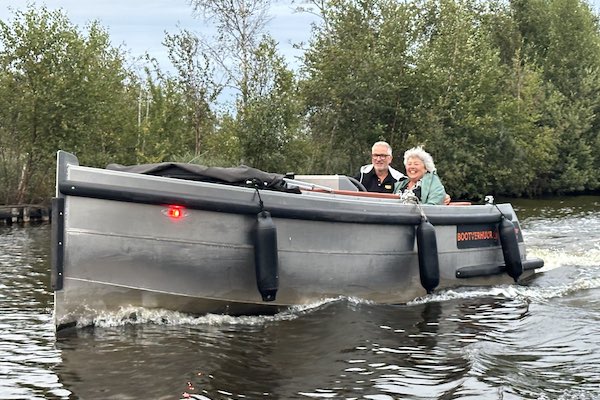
[(540, 341)]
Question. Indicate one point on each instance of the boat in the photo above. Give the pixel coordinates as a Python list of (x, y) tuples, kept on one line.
[(241, 241)]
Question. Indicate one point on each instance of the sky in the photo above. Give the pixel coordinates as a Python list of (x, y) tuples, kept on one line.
[(139, 25)]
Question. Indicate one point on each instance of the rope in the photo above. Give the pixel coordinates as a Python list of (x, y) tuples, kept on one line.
[(490, 200), (256, 184), (423, 216)]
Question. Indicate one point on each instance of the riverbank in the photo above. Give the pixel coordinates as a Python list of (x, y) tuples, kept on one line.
[(24, 213)]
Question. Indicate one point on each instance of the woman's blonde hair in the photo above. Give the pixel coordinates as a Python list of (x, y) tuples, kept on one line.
[(418, 152)]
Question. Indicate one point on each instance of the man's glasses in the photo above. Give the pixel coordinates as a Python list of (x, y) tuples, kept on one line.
[(380, 155)]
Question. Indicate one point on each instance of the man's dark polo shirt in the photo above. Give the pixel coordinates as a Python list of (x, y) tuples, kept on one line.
[(372, 184)]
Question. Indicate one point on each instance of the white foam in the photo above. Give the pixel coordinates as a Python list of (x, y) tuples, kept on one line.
[(524, 293), (554, 258), (140, 315)]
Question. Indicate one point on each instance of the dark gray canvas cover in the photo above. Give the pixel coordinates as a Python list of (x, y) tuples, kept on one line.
[(242, 175)]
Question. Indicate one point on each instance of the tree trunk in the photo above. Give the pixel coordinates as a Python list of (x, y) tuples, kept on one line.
[(24, 180)]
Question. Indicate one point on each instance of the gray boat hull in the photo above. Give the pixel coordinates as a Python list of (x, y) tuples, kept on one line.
[(115, 245)]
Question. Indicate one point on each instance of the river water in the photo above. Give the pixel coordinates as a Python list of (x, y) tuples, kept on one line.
[(539, 341)]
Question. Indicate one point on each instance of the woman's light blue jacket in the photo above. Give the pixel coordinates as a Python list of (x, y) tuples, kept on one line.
[(432, 189)]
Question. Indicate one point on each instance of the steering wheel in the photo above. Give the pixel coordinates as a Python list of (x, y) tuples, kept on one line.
[(359, 186)]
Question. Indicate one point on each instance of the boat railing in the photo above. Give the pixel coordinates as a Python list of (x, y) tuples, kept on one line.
[(308, 185), (313, 187), (360, 194)]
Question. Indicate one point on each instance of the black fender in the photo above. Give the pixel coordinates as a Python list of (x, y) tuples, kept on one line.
[(429, 268), (510, 249), (266, 261)]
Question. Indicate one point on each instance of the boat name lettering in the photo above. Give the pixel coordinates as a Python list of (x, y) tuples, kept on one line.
[(478, 235)]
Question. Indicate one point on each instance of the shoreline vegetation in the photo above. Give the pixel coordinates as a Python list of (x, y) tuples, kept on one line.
[(504, 95)]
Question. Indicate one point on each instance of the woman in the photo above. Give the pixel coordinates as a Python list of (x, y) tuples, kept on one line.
[(422, 180)]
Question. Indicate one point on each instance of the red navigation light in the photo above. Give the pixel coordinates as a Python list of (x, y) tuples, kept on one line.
[(175, 212)]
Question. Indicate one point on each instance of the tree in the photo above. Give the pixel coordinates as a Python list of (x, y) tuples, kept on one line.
[(195, 77), (268, 121), (240, 25), (434, 73), (562, 38), (265, 123), (59, 90), (357, 77), (165, 130)]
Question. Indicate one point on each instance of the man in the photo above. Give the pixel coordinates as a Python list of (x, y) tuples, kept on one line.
[(379, 176)]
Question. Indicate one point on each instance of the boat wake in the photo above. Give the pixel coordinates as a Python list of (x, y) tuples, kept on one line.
[(140, 315), (554, 258), (543, 288), (527, 294), (563, 274), (536, 292)]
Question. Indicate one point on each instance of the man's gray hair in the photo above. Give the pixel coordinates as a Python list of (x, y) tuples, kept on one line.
[(382, 143), (418, 152)]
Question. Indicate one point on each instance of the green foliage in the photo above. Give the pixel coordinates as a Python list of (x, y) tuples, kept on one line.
[(479, 113), (357, 80), (164, 131), (59, 89), (239, 25), (482, 84), (562, 38), (267, 121), (505, 95), (195, 82), (222, 148)]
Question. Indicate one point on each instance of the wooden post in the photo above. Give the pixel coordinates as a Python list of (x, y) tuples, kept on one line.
[(25, 214), (45, 214)]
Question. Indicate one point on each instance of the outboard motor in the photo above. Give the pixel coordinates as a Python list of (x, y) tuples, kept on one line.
[(265, 256), (429, 268), (510, 248)]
